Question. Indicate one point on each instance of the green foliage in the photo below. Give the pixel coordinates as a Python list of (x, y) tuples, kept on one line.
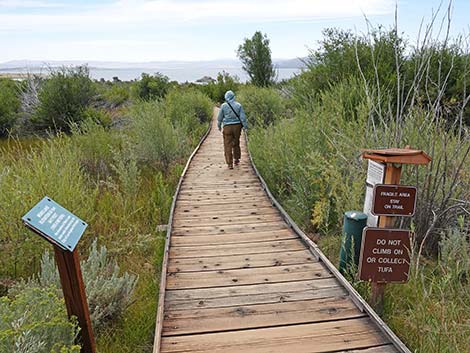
[(216, 90), (9, 105), (108, 292), (99, 116), (35, 321), (431, 311), (63, 98), (158, 141), (117, 94), (51, 168), (263, 106), (151, 87), (166, 130), (255, 56), (188, 108)]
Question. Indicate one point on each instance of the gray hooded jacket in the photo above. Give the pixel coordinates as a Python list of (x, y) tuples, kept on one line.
[(227, 116)]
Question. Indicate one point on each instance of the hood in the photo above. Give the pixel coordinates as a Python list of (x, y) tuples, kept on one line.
[(229, 96)]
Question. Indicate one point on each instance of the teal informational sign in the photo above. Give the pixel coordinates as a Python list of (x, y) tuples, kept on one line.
[(54, 223)]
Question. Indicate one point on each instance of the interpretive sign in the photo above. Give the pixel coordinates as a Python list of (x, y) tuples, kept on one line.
[(385, 255), (394, 200), (375, 175), (54, 223)]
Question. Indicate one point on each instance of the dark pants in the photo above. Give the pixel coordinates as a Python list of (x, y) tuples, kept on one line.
[(232, 142)]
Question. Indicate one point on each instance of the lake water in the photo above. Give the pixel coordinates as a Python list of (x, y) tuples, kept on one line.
[(175, 74)]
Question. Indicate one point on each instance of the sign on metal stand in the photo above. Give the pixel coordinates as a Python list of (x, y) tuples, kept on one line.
[(63, 230)]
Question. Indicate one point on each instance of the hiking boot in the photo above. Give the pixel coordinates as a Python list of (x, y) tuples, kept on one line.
[(237, 161), (230, 166)]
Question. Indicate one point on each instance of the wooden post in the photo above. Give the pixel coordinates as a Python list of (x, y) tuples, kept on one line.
[(74, 295), (392, 176)]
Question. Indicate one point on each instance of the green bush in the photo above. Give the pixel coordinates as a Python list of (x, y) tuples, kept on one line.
[(216, 90), (108, 292), (99, 116), (63, 98), (35, 320), (188, 109), (263, 106), (157, 140), (151, 87), (117, 94), (9, 105)]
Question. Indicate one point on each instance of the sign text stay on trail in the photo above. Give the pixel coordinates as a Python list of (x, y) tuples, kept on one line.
[(394, 200)]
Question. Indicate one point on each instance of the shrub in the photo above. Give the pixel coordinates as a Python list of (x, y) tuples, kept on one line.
[(94, 146), (158, 141), (216, 90), (99, 116), (188, 109), (63, 98), (263, 106), (9, 105), (35, 320), (108, 292), (117, 94), (151, 87)]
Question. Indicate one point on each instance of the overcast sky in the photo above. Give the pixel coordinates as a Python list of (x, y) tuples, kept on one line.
[(154, 30)]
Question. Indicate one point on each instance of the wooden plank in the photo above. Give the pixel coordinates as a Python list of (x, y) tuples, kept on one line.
[(227, 220), (226, 201), (244, 276), (254, 237), (246, 205), (305, 338), (231, 229), (189, 212), (239, 261), (235, 249), (255, 316), (252, 294)]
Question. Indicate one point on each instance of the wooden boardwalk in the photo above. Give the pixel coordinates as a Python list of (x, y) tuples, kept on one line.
[(239, 276)]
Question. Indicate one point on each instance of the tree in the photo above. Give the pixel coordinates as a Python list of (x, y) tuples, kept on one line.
[(63, 97), (151, 87), (255, 56)]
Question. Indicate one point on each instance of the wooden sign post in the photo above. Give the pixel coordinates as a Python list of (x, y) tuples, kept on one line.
[(63, 229), (393, 158)]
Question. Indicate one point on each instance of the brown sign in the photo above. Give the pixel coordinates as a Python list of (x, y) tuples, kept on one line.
[(385, 255), (394, 200)]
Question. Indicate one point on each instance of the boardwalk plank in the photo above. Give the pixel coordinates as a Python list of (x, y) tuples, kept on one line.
[(255, 316), (304, 338), (240, 261), (239, 277)]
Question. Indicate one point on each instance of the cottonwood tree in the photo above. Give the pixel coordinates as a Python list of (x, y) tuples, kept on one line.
[(255, 56)]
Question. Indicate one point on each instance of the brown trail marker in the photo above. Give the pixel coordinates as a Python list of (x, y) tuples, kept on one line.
[(392, 159), (63, 230)]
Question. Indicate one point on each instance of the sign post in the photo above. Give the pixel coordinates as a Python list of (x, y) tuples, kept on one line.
[(389, 203), (63, 229)]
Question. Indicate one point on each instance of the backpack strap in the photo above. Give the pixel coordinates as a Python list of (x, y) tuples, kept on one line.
[(238, 116)]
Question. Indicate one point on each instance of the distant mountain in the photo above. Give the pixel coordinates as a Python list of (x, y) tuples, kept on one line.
[(155, 65)]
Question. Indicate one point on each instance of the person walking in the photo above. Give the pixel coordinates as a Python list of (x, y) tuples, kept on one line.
[(231, 118)]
